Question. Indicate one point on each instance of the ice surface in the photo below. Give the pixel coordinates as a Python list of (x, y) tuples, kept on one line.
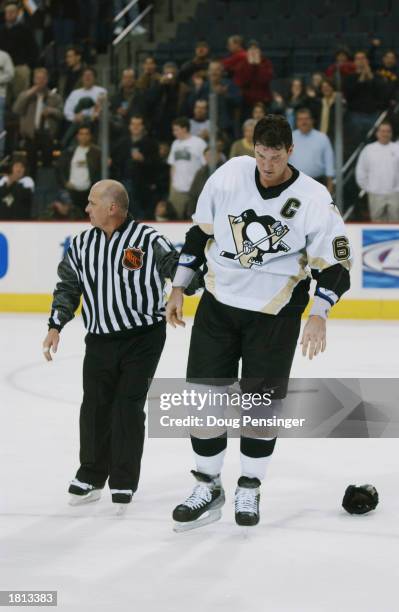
[(306, 555)]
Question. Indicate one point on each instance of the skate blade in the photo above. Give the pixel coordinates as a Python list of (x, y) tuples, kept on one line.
[(80, 500), (121, 509), (212, 517)]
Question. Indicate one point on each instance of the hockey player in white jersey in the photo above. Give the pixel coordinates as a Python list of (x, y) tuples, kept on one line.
[(263, 229)]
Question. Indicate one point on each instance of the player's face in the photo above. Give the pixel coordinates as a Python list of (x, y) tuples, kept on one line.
[(272, 163)]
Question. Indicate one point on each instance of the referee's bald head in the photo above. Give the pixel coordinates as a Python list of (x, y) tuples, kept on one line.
[(113, 192)]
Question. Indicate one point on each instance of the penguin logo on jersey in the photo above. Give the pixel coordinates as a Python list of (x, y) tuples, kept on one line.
[(254, 237), (132, 258)]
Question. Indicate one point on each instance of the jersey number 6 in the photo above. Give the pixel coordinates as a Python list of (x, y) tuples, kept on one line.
[(341, 248)]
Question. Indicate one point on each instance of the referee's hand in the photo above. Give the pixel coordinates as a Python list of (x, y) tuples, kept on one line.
[(314, 336), (51, 342), (174, 308)]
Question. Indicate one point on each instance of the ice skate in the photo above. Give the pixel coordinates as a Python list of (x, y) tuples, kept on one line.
[(246, 501), (82, 493), (202, 507), (121, 498)]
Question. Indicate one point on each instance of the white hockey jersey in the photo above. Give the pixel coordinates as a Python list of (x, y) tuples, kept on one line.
[(265, 241)]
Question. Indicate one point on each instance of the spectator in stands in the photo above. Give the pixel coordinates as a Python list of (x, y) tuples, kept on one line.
[(40, 114), (62, 209), (343, 64), (18, 172), (199, 124), (277, 105), (83, 105), (313, 153), (80, 167), (18, 41), (162, 172), (253, 76), (235, 44), (228, 99), (65, 14), (164, 211), (199, 64), (366, 96), (15, 195), (166, 100), (200, 178), (298, 98), (258, 111), (71, 75), (128, 101), (185, 158), (244, 146), (6, 76), (327, 109), (388, 68), (196, 91), (314, 86), (150, 76), (135, 160), (377, 173)]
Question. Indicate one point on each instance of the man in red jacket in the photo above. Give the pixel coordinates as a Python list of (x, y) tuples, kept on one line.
[(237, 55), (253, 76)]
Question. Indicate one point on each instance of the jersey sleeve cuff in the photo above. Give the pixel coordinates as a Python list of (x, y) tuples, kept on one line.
[(53, 325), (320, 307), (183, 277)]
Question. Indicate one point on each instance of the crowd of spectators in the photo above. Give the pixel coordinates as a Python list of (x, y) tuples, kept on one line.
[(159, 116)]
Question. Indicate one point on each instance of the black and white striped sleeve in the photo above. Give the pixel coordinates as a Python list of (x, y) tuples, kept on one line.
[(67, 293)]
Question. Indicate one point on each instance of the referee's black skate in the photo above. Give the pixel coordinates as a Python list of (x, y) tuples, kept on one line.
[(121, 498), (82, 493), (246, 501), (203, 506)]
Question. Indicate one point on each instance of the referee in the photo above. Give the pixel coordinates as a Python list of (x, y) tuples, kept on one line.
[(119, 267)]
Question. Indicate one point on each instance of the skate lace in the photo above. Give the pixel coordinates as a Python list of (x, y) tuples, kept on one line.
[(199, 497), (246, 500)]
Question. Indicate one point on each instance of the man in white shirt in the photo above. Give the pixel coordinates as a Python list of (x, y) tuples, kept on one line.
[(199, 124), (81, 167), (377, 173), (83, 105), (185, 158)]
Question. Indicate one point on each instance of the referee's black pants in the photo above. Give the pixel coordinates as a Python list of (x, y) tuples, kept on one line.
[(116, 373)]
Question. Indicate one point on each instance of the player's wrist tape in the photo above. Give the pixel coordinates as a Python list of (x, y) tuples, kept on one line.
[(320, 307), (183, 277), (327, 294)]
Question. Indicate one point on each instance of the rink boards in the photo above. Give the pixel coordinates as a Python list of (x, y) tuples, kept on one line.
[(31, 251)]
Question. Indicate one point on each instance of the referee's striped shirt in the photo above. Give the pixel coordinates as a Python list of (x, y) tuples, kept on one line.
[(121, 280)]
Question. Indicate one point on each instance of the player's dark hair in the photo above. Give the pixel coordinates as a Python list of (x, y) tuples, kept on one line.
[(273, 131)]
